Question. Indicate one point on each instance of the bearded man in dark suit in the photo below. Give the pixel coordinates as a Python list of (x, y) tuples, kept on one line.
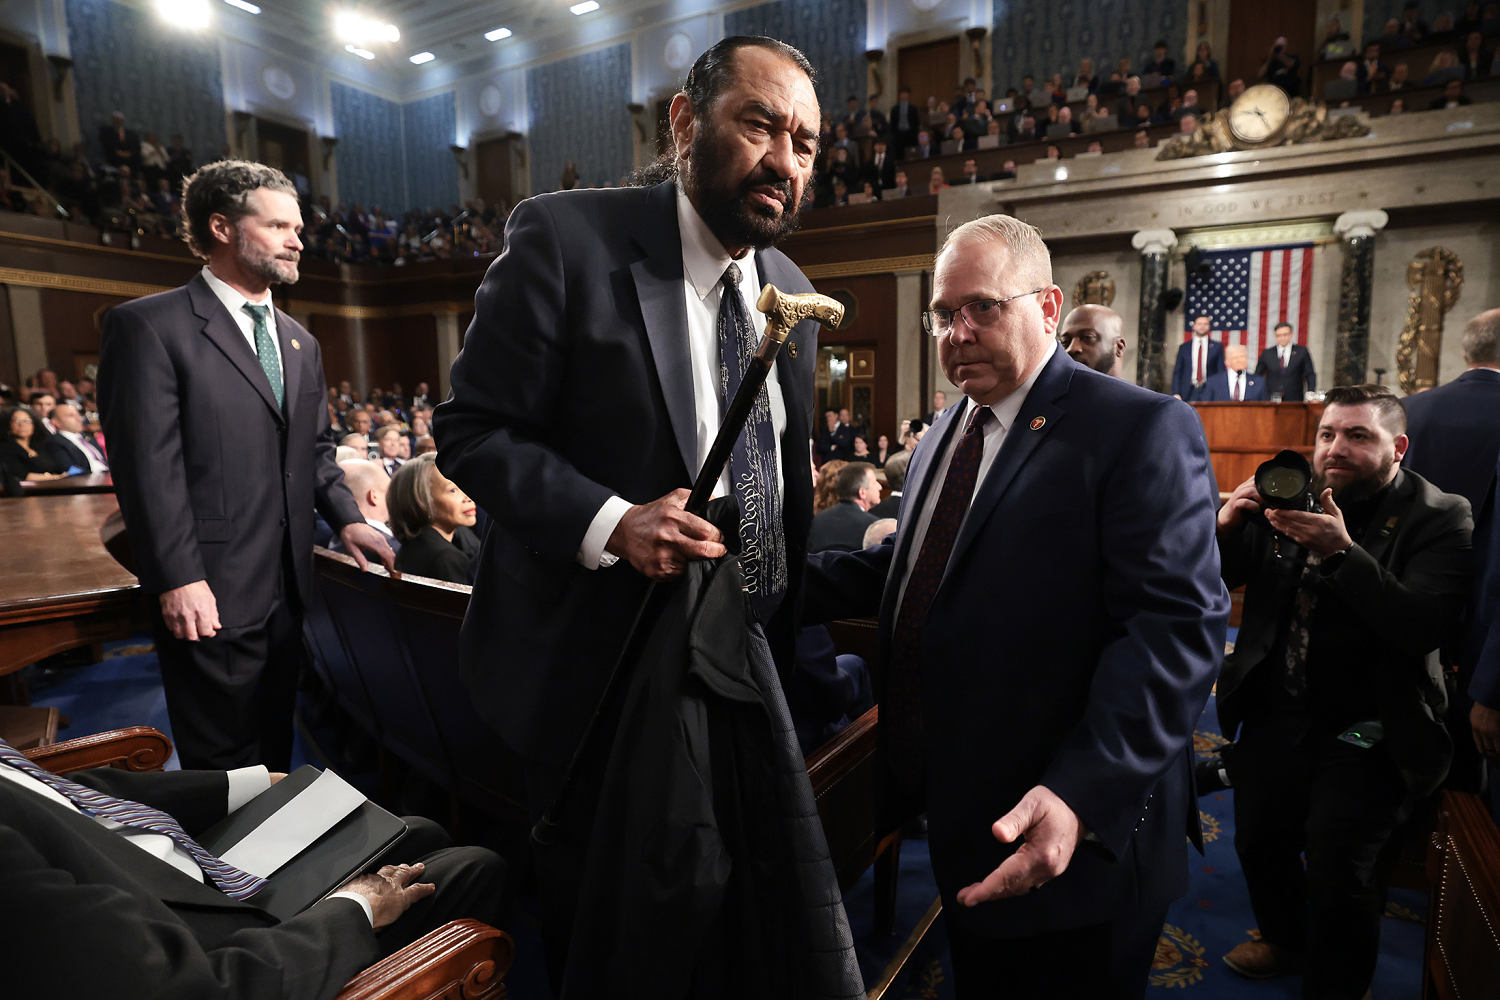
[(627, 298), (212, 401)]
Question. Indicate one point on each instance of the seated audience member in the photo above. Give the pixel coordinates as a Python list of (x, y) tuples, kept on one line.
[(424, 445), (1392, 38), (1065, 117), (1336, 43), (390, 439), (826, 490), (881, 451), (432, 518), (42, 405), (1160, 63), (1412, 25), (344, 453), (146, 908), (1477, 61), (971, 173), (1141, 139), (1053, 153), (71, 447), (121, 146), (20, 455), (1369, 72), (825, 690), (1399, 81), (368, 483), (1094, 336), (1126, 105), (1444, 67), (1190, 105), (842, 526), (895, 479), (1234, 384), (923, 149), (1235, 89), (902, 187), (861, 451), (1085, 76), (1453, 97), (1187, 125), (1398, 106), (1095, 147), (359, 421), (935, 182), (878, 530), (1333, 688)]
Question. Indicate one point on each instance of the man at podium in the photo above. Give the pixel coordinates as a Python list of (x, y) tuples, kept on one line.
[(1233, 384)]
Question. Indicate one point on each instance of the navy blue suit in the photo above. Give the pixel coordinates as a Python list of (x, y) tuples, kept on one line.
[(1182, 371), (1072, 643), (1216, 389), (1454, 432)]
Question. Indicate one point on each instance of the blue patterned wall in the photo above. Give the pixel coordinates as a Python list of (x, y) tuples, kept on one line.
[(163, 80), (831, 33), (370, 149), (431, 171), (577, 110), (1042, 37)]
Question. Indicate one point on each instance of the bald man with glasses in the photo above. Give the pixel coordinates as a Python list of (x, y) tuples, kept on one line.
[(1052, 619)]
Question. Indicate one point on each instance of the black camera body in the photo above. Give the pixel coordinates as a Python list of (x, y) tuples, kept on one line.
[(1286, 483)]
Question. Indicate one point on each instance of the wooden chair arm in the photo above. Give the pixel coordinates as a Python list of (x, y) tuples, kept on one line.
[(138, 748), (461, 960)]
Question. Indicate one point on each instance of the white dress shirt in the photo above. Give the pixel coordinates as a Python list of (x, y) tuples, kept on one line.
[(704, 261), (1005, 412), (235, 303), (1236, 385), (89, 449)]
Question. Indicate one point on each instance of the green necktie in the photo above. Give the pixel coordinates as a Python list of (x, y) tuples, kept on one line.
[(266, 350)]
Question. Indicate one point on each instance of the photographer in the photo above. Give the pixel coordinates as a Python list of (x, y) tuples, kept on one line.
[(1282, 68), (1333, 685)]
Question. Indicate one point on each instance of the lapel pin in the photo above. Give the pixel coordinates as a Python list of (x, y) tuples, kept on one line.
[(296, 344), (1038, 423), (791, 348)]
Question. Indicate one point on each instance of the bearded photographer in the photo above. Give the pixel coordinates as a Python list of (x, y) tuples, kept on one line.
[(1334, 686)]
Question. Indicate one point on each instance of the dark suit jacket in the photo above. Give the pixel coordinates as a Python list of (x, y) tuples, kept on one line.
[(211, 475), (1396, 595), (19, 464), (430, 554), (1455, 435), (1110, 499), (1292, 383), (111, 145), (1216, 389), (65, 454), (588, 295), (1182, 371), (152, 931), (840, 527)]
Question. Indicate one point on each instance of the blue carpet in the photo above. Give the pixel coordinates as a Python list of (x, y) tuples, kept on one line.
[(125, 689)]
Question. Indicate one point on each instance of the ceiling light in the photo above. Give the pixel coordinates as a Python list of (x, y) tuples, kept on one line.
[(357, 29), (422, 57), (357, 51), (497, 34), (587, 7), (189, 14), (248, 8)]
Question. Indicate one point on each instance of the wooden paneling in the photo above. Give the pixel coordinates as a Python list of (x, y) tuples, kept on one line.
[(493, 171), (10, 371), (396, 349), (1253, 27), (874, 327), (336, 336), (1243, 435), (930, 70), (71, 323)]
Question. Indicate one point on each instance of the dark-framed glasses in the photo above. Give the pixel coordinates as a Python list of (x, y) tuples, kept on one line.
[(980, 314)]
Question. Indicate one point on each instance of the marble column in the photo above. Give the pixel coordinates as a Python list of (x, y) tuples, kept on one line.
[(1155, 246), (1351, 352)]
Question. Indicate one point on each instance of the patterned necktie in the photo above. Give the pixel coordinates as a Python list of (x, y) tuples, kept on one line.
[(265, 349), (1294, 676), (228, 879), (752, 463), (901, 706)]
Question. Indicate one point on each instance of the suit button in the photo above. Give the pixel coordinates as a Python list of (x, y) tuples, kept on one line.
[(289, 475), (283, 522)]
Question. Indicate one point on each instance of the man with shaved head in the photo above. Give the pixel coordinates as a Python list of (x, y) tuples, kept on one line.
[(1094, 336), (368, 483), (1057, 800)]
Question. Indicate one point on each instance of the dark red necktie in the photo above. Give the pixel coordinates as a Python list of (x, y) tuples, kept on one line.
[(1201, 349), (901, 708), (1236, 394)]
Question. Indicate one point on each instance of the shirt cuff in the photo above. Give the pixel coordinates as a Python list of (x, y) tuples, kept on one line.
[(591, 554), (364, 904), (245, 783)]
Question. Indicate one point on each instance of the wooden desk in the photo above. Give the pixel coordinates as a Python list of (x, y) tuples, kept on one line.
[(59, 587), (87, 482), (1243, 435)]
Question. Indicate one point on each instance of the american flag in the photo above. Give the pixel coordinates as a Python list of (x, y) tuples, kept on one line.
[(1250, 291)]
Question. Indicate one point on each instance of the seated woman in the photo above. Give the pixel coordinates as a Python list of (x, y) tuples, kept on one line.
[(431, 517), (20, 458)]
